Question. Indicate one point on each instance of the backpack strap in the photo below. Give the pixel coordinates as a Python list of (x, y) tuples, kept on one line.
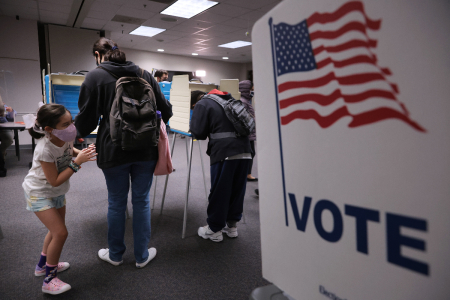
[(111, 73), (222, 135)]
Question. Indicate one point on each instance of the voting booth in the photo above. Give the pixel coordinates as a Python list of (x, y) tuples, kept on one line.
[(354, 148), (64, 89)]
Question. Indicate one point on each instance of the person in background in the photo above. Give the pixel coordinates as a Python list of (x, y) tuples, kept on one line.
[(7, 114), (161, 75), (47, 183), (247, 93), (229, 159), (121, 169)]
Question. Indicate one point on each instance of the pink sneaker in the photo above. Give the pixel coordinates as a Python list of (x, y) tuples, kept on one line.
[(55, 287), (62, 266)]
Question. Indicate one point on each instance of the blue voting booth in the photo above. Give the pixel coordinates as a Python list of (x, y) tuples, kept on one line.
[(64, 90)]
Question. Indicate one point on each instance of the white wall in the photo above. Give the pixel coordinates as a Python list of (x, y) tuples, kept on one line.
[(215, 70), (19, 54)]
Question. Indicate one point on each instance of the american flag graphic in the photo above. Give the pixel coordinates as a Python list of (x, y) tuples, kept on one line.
[(326, 69)]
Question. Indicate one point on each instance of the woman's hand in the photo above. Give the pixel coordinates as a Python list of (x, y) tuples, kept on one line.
[(87, 154)]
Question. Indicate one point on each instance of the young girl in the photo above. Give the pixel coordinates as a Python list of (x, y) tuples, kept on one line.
[(47, 183)]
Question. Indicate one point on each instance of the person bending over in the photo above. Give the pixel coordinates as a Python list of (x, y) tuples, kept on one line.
[(229, 160)]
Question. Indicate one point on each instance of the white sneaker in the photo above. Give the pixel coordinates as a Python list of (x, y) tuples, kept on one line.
[(151, 255), (231, 232), (104, 255), (206, 233)]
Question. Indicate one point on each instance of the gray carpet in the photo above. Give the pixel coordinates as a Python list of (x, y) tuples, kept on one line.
[(190, 268)]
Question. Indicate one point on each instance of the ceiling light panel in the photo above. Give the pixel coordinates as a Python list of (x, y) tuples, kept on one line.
[(147, 31), (236, 44), (188, 8)]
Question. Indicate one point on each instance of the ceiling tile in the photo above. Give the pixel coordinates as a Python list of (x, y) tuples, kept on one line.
[(52, 14), (115, 26), (228, 10), (52, 7), (131, 12), (98, 22), (242, 23), (104, 6), (223, 28), (210, 17), (59, 2), (253, 15), (21, 3), (101, 15), (12, 10), (156, 21), (251, 4), (149, 5), (175, 33)]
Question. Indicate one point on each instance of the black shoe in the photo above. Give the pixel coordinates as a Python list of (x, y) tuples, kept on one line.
[(257, 192), (3, 173), (252, 179)]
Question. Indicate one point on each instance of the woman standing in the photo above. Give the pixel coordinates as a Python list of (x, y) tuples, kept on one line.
[(247, 93), (120, 167)]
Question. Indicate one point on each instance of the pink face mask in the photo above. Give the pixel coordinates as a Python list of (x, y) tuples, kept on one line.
[(67, 135)]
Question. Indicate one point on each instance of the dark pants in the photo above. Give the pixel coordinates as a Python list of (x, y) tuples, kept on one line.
[(2, 162), (250, 165), (226, 199)]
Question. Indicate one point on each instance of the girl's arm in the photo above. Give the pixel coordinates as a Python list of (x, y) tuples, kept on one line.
[(51, 172)]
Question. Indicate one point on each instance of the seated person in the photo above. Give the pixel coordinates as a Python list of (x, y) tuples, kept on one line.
[(6, 136)]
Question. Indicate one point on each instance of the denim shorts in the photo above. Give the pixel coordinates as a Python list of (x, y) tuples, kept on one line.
[(36, 204)]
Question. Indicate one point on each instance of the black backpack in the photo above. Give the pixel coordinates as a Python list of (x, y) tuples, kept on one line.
[(243, 122), (133, 120)]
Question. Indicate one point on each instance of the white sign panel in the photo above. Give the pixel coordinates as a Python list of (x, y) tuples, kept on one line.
[(353, 105)]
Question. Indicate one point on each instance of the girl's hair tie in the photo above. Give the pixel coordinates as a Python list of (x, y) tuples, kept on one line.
[(114, 48)]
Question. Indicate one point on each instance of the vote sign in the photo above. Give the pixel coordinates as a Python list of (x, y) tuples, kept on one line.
[(353, 148)]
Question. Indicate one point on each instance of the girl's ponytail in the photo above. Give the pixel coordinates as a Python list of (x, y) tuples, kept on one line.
[(47, 115)]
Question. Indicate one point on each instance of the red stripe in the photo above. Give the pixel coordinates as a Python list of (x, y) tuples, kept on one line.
[(324, 100), (344, 80), (347, 62), (348, 45), (323, 122), (362, 119), (352, 26), (380, 114), (342, 11)]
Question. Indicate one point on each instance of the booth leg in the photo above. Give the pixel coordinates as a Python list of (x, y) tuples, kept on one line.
[(167, 176), (187, 189)]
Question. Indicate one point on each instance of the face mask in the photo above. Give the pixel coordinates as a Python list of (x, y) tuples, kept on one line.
[(67, 135), (252, 93)]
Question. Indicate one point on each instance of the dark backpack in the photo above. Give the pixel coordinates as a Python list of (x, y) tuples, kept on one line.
[(243, 122), (133, 120)]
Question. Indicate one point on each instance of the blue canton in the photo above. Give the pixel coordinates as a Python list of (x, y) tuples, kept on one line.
[(293, 48)]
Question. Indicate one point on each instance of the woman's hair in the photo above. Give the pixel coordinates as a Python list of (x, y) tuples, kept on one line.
[(47, 115), (195, 95), (105, 47)]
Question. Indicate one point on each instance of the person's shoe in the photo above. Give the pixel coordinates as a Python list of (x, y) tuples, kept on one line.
[(231, 232), (62, 266), (257, 192), (206, 233), (252, 179), (104, 255), (151, 255), (55, 287)]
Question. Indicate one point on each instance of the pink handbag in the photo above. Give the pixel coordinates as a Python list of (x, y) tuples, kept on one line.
[(164, 164)]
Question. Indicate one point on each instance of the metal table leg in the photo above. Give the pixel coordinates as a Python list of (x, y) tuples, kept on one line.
[(167, 176), (187, 189), (16, 142)]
